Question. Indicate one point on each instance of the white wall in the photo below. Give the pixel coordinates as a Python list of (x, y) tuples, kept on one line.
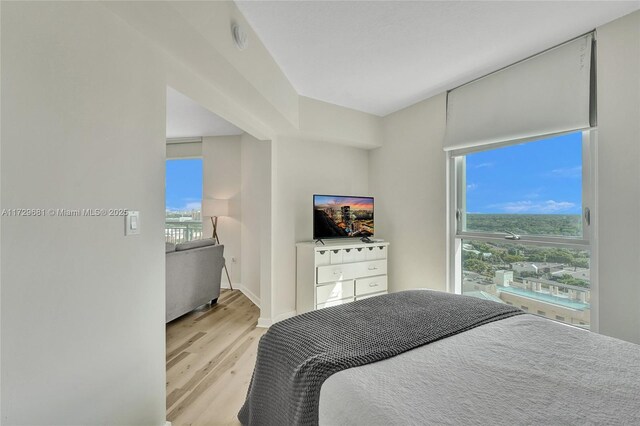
[(407, 179), (256, 216), (618, 59), (221, 174), (82, 305), (245, 87), (301, 169), (84, 118), (324, 121)]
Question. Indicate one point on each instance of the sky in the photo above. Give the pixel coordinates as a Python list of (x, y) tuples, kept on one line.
[(356, 203), (184, 184), (541, 177)]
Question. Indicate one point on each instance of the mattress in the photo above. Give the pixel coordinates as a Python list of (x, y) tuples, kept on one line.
[(522, 370)]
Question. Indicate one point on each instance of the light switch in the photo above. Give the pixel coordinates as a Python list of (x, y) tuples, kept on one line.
[(132, 223)]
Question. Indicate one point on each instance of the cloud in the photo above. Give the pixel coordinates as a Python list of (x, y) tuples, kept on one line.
[(188, 206), (566, 172), (195, 205), (543, 207), (472, 186), (483, 165)]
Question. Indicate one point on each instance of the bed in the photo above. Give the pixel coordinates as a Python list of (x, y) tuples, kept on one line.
[(484, 363)]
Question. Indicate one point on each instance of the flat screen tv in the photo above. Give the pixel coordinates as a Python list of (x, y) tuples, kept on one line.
[(339, 216)]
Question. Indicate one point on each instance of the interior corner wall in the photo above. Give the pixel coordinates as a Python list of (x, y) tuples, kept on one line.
[(618, 155), (256, 217), (301, 169), (407, 178), (221, 174), (83, 127)]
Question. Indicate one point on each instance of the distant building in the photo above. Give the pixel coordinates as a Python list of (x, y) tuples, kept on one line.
[(472, 281), (554, 288), (537, 267), (546, 305), (551, 299), (503, 278), (580, 273)]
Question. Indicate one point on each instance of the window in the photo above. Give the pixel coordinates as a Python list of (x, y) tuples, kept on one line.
[(522, 224), (183, 200)]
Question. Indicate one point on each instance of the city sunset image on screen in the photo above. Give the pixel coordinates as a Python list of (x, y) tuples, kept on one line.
[(340, 216)]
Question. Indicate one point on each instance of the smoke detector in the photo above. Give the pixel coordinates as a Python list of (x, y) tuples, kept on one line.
[(239, 36)]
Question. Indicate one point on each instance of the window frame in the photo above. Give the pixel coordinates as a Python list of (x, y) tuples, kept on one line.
[(456, 191)]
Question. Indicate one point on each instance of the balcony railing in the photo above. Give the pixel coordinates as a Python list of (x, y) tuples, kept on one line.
[(181, 232)]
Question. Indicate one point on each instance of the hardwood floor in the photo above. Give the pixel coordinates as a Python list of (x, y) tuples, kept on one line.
[(210, 357)]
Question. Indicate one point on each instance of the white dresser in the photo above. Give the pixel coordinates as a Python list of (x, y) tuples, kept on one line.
[(339, 272)]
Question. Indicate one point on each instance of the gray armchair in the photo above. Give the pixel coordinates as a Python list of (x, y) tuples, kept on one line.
[(193, 275)]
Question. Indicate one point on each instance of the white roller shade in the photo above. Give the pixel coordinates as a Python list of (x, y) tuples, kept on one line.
[(545, 94), (184, 150)]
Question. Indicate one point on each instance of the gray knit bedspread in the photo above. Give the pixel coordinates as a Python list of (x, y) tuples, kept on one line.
[(297, 355)]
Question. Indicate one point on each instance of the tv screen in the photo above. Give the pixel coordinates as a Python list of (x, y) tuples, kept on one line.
[(336, 216)]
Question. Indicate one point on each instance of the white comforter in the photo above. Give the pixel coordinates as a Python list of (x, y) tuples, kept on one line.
[(522, 370)]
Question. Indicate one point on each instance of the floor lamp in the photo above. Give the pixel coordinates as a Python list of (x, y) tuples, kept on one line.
[(215, 208)]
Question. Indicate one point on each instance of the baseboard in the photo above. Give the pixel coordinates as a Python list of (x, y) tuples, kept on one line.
[(250, 295), (264, 323), (268, 322), (226, 285), (284, 316)]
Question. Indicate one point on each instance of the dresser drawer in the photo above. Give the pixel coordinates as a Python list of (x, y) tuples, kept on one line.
[(334, 291), (336, 256), (348, 255), (371, 285), (332, 273), (371, 268), (371, 252), (334, 303), (381, 252), (323, 257), (366, 296), (360, 254)]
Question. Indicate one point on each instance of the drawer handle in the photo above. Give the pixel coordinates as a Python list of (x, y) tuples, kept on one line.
[(373, 268), (373, 284)]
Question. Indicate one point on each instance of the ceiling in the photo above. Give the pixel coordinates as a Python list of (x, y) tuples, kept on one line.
[(381, 56), (186, 118)]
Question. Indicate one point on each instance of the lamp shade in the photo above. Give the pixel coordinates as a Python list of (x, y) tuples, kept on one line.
[(214, 207)]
